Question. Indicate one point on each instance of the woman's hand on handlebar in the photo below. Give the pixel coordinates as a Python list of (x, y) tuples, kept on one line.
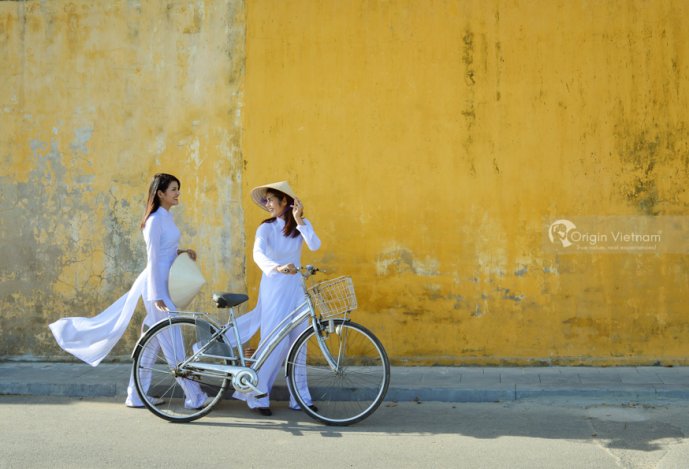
[(289, 269)]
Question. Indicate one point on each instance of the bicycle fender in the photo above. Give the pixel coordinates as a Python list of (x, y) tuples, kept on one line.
[(306, 332)]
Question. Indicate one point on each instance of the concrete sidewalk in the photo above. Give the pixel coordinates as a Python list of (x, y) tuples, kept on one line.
[(444, 384)]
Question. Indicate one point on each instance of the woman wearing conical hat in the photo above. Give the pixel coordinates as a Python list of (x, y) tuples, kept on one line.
[(277, 252)]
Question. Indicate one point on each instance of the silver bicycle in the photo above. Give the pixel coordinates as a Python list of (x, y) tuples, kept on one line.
[(337, 369)]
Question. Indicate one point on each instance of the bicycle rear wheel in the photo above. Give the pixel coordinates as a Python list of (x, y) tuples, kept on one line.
[(167, 390), (352, 391)]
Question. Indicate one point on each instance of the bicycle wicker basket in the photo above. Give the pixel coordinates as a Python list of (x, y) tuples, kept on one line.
[(334, 297)]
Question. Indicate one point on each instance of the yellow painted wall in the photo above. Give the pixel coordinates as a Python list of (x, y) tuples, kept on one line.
[(434, 141), (96, 97)]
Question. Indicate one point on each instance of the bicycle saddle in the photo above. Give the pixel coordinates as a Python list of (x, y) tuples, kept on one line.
[(228, 300)]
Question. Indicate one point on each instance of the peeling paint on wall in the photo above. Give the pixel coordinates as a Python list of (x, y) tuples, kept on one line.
[(398, 259), (98, 97)]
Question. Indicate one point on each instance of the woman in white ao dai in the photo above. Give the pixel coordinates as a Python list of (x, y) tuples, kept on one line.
[(278, 255), (91, 339)]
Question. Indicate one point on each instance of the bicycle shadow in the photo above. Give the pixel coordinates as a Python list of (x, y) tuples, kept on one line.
[(625, 426)]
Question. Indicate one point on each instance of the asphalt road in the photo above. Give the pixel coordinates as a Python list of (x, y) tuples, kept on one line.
[(59, 432)]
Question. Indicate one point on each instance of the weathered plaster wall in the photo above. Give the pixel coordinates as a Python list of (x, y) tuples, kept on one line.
[(96, 97), (433, 142)]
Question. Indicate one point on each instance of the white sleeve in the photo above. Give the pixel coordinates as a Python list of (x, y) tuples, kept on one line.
[(261, 245), (156, 278), (310, 237)]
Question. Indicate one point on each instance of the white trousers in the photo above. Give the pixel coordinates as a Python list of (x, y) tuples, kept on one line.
[(270, 369), (173, 350)]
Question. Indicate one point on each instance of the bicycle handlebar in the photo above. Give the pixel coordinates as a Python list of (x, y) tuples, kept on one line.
[(309, 270)]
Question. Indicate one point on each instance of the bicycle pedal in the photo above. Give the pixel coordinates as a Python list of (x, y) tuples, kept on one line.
[(261, 396)]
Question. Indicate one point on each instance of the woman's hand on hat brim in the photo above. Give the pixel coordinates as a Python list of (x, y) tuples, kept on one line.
[(298, 211)]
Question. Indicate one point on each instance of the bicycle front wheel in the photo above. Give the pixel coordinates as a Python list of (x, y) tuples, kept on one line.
[(172, 392), (350, 392)]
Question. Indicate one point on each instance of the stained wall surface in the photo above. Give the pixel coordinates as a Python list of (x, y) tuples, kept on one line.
[(433, 144), (96, 97)]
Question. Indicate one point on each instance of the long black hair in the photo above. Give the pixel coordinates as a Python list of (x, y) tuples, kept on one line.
[(290, 229), (161, 182)]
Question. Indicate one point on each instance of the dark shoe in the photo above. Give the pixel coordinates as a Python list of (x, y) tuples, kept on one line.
[(264, 411)]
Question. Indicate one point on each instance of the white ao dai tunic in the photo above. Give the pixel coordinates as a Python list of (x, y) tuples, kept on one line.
[(278, 295), (91, 339)]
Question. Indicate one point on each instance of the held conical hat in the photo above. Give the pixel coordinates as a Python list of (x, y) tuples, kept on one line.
[(258, 194), (184, 281)]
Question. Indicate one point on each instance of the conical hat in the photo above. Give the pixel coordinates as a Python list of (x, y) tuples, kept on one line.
[(258, 194), (184, 281)]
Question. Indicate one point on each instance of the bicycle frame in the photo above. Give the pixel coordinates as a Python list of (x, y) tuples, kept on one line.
[(190, 357), (292, 321)]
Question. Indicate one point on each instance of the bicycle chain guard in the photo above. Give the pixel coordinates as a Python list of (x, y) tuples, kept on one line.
[(245, 381)]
